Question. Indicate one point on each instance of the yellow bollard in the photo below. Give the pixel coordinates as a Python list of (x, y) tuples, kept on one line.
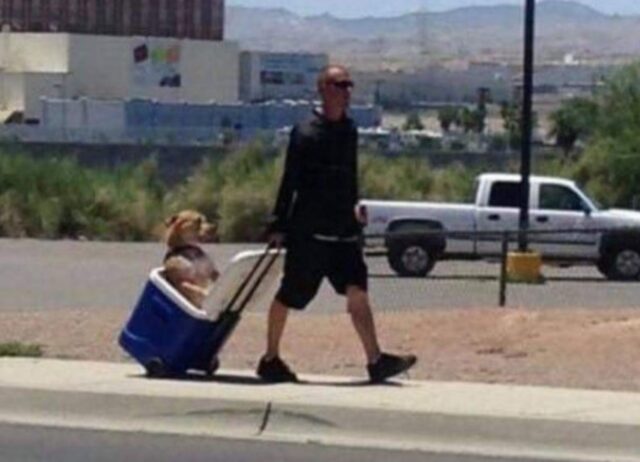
[(524, 267)]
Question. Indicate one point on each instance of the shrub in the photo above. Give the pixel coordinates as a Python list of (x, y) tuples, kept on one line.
[(454, 184), (54, 198), (402, 178), (16, 349)]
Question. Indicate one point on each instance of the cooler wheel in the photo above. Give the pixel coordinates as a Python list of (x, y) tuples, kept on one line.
[(213, 367), (156, 368)]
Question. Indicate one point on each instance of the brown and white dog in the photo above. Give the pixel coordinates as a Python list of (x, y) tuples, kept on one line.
[(186, 265)]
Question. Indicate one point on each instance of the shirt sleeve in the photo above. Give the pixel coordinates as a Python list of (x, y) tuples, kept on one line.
[(355, 168), (288, 186)]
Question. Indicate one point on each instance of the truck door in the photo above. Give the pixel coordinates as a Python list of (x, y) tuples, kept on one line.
[(561, 208), (501, 213)]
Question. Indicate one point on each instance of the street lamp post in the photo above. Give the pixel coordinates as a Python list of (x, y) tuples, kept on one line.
[(525, 165)]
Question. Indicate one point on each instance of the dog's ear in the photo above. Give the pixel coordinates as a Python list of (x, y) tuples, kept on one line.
[(171, 220)]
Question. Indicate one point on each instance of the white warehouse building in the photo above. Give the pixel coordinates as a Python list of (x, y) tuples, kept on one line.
[(71, 66)]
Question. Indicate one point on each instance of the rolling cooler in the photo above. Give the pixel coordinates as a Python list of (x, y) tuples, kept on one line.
[(169, 336)]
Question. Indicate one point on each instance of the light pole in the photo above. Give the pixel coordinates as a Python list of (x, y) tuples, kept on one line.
[(525, 165)]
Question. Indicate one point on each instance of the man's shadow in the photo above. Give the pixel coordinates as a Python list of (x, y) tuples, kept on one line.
[(245, 380)]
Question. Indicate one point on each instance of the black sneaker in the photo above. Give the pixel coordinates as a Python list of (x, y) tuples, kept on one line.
[(389, 365), (275, 371)]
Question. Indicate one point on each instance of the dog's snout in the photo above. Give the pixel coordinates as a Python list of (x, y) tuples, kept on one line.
[(209, 233)]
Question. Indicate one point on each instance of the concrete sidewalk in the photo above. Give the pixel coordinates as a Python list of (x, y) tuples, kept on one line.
[(509, 421)]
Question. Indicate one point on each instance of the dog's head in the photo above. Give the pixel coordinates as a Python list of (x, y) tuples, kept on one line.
[(189, 227)]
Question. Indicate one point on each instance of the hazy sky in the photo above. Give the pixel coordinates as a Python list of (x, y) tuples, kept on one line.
[(358, 8)]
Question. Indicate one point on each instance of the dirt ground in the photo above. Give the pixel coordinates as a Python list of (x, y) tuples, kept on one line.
[(565, 348)]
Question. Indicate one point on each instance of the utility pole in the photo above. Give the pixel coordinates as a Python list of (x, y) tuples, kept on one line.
[(525, 166)]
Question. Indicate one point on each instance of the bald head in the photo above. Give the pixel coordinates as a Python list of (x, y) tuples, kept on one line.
[(329, 73), (334, 87)]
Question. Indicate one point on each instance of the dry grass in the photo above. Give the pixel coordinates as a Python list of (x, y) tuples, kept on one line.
[(598, 349)]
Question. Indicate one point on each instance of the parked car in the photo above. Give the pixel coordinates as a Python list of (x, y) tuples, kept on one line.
[(410, 231)]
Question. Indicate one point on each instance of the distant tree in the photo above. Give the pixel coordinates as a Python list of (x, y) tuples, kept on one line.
[(466, 120), (413, 122), (610, 166), (473, 120), (448, 116), (575, 119), (480, 116), (511, 114)]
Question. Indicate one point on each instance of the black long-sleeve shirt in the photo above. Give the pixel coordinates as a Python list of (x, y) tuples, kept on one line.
[(319, 188)]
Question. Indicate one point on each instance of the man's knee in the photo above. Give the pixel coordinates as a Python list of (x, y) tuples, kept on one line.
[(278, 307), (357, 301)]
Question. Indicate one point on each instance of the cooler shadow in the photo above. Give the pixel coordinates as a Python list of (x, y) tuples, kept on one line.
[(203, 378)]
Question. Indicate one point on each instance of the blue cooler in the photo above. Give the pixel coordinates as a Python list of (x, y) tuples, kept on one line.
[(167, 334)]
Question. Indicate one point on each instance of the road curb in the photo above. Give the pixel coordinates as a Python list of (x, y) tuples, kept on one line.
[(448, 418)]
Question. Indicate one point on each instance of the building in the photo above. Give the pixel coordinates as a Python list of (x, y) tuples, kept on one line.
[(554, 84), (275, 76), (143, 121), (63, 65), (194, 19), (165, 50)]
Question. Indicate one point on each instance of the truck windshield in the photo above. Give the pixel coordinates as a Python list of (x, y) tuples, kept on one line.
[(595, 203)]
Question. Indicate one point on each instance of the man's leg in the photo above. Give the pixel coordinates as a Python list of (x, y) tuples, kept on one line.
[(362, 318), (381, 366), (275, 327), (271, 368)]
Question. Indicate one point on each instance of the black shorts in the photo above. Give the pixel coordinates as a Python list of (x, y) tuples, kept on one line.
[(308, 261)]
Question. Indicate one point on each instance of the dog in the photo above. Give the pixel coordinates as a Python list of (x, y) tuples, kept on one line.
[(187, 267)]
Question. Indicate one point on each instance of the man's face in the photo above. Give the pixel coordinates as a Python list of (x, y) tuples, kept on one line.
[(336, 89)]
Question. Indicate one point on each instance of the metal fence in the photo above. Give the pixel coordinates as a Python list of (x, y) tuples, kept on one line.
[(156, 136), (484, 282)]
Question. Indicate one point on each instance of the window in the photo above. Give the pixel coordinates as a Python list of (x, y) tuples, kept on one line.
[(136, 18), (206, 20), (153, 21), (555, 197), (101, 16), (505, 194), (171, 25)]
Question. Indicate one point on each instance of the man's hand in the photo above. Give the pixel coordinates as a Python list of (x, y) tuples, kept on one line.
[(361, 214)]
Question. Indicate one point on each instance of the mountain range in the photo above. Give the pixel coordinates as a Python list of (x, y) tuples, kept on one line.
[(417, 40)]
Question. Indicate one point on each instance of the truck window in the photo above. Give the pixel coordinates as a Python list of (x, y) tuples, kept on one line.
[(505, 194), (556, 197)]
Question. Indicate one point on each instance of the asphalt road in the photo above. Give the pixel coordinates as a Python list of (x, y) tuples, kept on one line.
[(39, 444), (49, 275)]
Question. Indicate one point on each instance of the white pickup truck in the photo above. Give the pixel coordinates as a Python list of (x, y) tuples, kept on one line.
[(555, 204)]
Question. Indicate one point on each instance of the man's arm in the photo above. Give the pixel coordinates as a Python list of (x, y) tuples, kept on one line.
[(288, 187), (360, 212)]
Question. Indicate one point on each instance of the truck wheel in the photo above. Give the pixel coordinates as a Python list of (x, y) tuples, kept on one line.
[(604, 266), (621, 264), (411, 259)]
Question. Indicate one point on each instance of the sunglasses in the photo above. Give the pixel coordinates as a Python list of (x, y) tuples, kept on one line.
[(343, 84)]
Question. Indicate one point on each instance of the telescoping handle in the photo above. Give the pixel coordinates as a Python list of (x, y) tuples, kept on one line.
[(257, 274)]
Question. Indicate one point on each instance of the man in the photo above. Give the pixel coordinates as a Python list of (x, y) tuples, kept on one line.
[(317, 212)]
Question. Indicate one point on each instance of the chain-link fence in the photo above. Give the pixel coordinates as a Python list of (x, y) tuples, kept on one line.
[(599, 270)]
